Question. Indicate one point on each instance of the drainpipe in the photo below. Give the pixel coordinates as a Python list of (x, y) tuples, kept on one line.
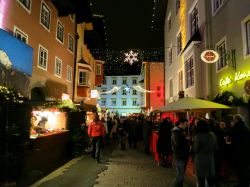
[(75, 62)]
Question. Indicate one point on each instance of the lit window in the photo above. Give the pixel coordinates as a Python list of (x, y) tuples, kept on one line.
[(221, 49), (181, 81), (71, 43), (20, 35), (171, 90), (69, 73), (43, 57), (82, 78), (60, 31), (98, 69), (58, 67), (45, 16), (26, 4), (179, 43), (189, 70), (194, 20)]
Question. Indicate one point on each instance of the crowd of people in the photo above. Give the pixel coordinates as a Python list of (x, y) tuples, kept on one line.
[(211, 146)]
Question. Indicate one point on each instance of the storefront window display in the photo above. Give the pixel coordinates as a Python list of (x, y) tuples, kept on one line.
[(47, 122)]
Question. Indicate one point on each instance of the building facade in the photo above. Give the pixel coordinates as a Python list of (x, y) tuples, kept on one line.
[(52, 38), (120, 95)]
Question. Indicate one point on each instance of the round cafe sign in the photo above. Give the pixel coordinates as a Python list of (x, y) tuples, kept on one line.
[(209, 56)]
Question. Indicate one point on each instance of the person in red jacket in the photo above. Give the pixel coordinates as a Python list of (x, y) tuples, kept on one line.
[(96, 132)]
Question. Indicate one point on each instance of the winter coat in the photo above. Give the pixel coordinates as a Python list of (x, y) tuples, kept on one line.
[(96, 128), (205, 144), (180, 144)]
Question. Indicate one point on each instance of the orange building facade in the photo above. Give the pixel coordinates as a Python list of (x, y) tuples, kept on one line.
[(154, 81), (53, 41)]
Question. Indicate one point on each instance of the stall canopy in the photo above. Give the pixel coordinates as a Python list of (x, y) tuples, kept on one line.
[(193, 104)]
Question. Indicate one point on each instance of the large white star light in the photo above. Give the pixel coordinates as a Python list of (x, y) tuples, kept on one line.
[(131, 57)]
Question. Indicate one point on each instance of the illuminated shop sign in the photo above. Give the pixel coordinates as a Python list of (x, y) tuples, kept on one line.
[(237, 77), (15, 54)]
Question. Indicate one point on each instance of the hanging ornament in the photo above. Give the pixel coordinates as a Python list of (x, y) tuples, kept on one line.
[(131, 57)]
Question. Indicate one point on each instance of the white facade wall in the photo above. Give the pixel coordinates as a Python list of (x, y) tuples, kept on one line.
[(181, 22), (105, 100)]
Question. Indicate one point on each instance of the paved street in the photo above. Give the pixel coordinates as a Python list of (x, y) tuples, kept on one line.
[(131, 168)]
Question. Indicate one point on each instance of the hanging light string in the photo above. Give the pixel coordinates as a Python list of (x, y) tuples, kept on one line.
[(117, 88)]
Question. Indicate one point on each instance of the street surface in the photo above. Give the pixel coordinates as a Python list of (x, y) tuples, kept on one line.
[(118, 168)]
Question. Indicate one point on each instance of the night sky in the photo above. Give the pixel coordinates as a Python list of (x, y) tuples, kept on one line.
[(128, 27)]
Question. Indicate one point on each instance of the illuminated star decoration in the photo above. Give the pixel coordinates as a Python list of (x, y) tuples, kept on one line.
[(131, 57)]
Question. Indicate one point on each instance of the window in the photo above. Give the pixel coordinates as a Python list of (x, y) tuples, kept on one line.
[(217, 4), (179, 43), (134, 81), (113, 102), (134, 102), (60, 31), (104, 81), (124, 81), (43, 57), (171, 89), (245, 25), (170, 56), (98, 69), (104, 90), (177, 5), (189, 70), (181, 81), (71, 43), (114, 81), (20, 35), (169, 22), (103, 102), (58, 67), (124, 92), (124, 102), (82, 78), (45, 16), (114, 93), (221, 49), (134, 92), (69, 73), (26, 4), (194, 20)]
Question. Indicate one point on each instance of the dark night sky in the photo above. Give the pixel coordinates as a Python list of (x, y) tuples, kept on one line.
[(128, 26)]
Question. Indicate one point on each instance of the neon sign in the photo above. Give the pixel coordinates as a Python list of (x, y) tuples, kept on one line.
[(237, 77)]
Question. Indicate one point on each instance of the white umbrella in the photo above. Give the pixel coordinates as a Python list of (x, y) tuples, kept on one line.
[(193, 104)]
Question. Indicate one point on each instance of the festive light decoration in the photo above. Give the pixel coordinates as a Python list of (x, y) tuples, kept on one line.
[(131, 57), (8, 95), (127, 89)]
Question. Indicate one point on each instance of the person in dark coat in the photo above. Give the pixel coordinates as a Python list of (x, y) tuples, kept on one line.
[(164, 142), (204, 147), (240, 141), (180, 147)]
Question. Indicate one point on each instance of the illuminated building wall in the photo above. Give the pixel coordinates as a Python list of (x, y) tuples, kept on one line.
[(154, 81), (125, 101), (233, 75), (179, 21), (15, 17)]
